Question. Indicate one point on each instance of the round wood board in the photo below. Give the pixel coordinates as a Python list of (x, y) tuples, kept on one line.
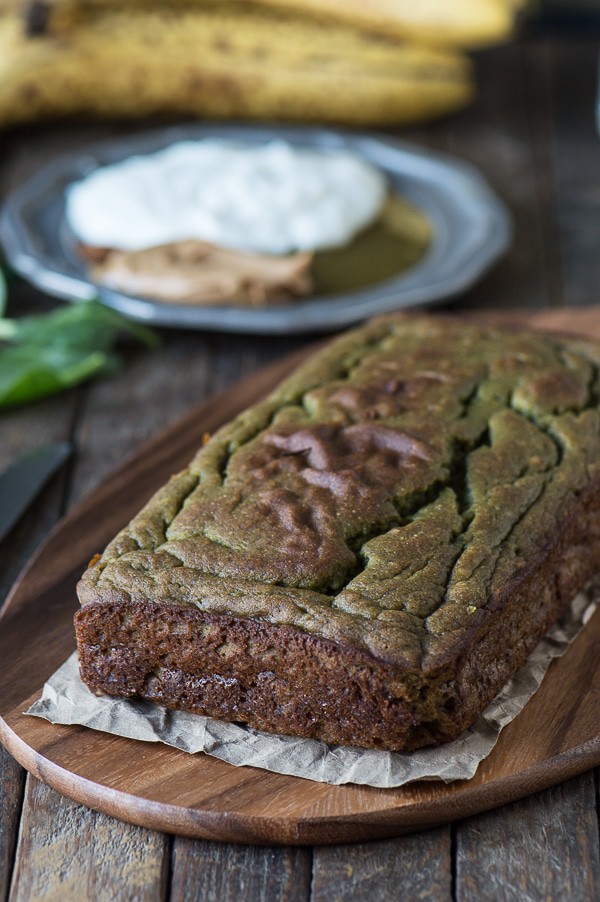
[(555, 737)]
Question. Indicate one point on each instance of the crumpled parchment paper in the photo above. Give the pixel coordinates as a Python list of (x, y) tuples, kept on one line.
[(66, 700)]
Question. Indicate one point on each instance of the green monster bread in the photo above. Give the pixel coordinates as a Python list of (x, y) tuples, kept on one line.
[(367, 555)]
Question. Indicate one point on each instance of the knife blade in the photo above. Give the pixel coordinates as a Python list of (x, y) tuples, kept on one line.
[(23, 480)]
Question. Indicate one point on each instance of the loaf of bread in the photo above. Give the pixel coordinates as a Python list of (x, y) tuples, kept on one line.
[(367, 555)]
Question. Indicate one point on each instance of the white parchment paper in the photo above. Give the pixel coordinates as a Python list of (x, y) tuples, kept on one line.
[(66, 700)]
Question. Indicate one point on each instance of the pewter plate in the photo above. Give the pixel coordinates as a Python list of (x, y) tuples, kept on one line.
[(471, 229)]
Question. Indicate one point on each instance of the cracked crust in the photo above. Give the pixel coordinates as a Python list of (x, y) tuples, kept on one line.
[(369, 554)]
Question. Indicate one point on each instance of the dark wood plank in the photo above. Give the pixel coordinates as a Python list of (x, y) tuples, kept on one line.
[(543, 847), (576, 161), (408, 868), (12, 779), (211, 872), (68, 852), (499, 134), (26, 148), (597, 782), (22, 430), (545, 240)]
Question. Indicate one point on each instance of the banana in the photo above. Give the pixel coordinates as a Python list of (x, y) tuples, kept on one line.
[(465, 24), (223, 60)]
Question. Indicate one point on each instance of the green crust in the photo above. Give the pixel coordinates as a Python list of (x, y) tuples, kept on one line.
[(387, 496)]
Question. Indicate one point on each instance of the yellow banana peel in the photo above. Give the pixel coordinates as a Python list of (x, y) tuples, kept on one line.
[(465, 24), (220, 60)]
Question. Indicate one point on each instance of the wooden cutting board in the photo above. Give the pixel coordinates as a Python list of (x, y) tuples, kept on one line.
[(555, 737)]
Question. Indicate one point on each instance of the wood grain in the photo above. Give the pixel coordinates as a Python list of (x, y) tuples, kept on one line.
[(12, 779), (199, 796), (239, 872), (410, 867), (576, 153), (98, 855), (525, 853), (499, 136), (23, 430)]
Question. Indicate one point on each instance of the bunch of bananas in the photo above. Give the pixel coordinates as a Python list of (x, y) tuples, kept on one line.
[(357, 62)]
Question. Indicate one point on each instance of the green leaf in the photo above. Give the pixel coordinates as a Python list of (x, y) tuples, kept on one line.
[(24, 377), (2, 293), (51, 352), (87, 324)]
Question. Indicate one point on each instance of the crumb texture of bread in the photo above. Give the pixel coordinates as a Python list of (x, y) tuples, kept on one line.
[(367, 555)]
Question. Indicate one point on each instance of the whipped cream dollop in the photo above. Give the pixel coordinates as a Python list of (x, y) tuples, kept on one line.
[(271, 199)]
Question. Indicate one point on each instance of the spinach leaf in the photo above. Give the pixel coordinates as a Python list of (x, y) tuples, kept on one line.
[(45, 354), (2, 293)]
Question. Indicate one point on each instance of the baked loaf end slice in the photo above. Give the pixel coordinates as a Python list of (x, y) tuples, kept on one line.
[(370, 553)]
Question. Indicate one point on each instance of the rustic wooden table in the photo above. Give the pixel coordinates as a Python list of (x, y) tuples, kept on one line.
[(532, 133)]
